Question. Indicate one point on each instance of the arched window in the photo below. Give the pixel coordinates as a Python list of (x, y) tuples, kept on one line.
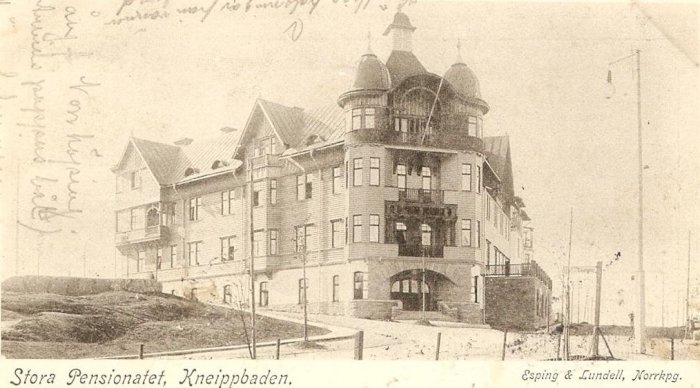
[(263, 300), (152, 217)]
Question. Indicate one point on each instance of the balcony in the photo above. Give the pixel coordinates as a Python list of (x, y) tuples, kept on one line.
[(151, 233), (438, 138), (527, 269), (422, 196), (421, 250), (264, 161)]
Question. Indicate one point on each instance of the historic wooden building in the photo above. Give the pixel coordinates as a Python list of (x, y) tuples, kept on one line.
[(393, 197)]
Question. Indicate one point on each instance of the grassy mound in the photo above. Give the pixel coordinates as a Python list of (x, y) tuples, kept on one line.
[(116, 322)]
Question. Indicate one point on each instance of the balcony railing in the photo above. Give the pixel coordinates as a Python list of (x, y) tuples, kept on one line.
[(421, 250), (527, 269), (264, 160), (150, 233), (422, 196)]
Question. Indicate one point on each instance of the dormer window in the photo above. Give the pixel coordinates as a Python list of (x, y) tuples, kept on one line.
[(363, 118), (190, 171)]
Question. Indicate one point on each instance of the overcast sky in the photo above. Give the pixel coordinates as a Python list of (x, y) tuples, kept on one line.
[(542, 69)]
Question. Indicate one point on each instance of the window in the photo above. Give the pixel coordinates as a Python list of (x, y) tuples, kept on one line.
[(475, 289), (357, 228), (369, 118), (374, 171), (401, 176), (303, 286), (479, 127), (309, 185), (303, 239), (466, 233), (356, 118), (264, 295), (228, 296), (426, 178), (336, 236), (336, 288), (373, 228), (227, 202), (274, 248), (357, 172), (358, 115), (488, 207), (135, 178), (258, 243), (140, 261), (488, 253), (173, 256), (359, 285), (426, 235), (478, 179), (346, 175), (400, 233), (466, 176), (227, 248), (471, 126), (337, 180), (304, 186), (193, 252), (137, 219), (195, 204), (159, 257), (478, 234), (273, 191), (257, 188)]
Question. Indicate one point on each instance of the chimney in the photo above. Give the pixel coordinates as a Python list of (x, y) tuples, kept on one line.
[(401, 31), (185, 141)]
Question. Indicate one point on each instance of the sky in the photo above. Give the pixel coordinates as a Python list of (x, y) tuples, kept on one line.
[(542, 69)]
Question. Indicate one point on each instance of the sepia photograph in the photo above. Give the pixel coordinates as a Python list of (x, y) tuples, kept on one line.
[(382, 180)]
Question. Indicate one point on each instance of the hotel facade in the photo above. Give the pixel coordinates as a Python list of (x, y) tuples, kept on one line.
[(391, 200)]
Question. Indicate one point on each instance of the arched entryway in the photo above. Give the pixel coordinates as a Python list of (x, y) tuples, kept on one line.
[(410, 288)]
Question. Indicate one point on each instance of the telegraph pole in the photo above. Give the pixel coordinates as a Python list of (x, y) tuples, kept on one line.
[(640, 319), (687, 293), (640, 313), (303, 266), (567, 321)]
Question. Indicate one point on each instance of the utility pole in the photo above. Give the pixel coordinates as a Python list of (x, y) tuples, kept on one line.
[(640, 321), (567, 321), (598, 289), (640, 313), (687, 293), (303, 266), (422, 291)]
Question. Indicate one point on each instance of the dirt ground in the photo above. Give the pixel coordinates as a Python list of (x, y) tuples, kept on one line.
[(406, 340), (116, 323)]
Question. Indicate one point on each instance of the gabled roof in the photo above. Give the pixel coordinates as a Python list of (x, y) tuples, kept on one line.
[(287, 121), (298, 129), (159, 157), (496, 149)]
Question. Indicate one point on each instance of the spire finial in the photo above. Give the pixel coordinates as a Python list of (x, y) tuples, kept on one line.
[(369, 42), (459, 51)]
